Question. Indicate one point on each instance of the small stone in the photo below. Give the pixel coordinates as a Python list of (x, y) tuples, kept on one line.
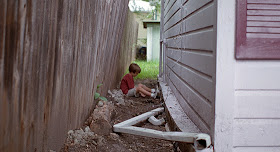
[(70, 132), (82, 143), (80, 131), (90, 134), (109, 91), (78, 137), (101, 141), (76, 141), (95, 110), (114, 136), (87, 129), (86, 123), (105, 102), (129, 102), (117, 93), (94, 142), (100, 104), (51, 151), (120, 101)]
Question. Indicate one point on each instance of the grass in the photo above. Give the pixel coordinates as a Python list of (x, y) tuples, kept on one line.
[(149, 70)]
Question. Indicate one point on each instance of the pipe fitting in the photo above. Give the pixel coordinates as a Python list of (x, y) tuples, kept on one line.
[(157, 122)]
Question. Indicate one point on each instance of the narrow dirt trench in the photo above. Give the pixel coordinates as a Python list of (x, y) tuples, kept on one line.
[(96, 133)]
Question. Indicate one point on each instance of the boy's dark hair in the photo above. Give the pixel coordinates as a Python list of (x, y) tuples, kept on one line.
[(134, 68)]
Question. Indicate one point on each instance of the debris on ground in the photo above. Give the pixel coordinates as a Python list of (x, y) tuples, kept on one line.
[(97, 134)]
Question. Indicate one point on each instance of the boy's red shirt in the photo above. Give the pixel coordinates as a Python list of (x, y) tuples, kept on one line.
[(127, 83)]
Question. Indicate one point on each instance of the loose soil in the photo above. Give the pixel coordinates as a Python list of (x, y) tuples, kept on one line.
[(85, 140)]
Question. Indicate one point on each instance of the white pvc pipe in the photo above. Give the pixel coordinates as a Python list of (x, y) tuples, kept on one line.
[(153, 120), (140, 118), (126, 127)]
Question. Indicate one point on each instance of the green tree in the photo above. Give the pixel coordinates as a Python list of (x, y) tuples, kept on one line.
[(157, 5)]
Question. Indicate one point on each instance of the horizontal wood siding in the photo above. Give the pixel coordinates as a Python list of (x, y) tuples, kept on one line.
[(174, 83), (258, 76), (256, 132), (258, 104), (189, 28), (257, 107), (256, 149)]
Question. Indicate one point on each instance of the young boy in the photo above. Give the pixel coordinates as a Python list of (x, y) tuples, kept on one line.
[(127, 84)]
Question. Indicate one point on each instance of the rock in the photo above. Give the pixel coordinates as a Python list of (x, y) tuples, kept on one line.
[(70, 132), (83, 142), (87, 129), (110, 93), (78, 136), (90, 134), (76, 141), (114, 136), (101, 127), (93, 142), (101, 141), (120, 101), (101, 119), (117, 93), (94, 111), (100, 104), (86, 123), (80, 131)]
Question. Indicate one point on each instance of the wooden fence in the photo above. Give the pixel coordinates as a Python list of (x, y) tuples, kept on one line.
[(53, 54)]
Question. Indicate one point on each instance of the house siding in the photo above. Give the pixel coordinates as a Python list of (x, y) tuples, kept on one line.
[(247, 93), (189, 64), (257, 106), (257, 87)]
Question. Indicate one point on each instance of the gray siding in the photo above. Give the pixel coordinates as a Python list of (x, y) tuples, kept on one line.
[(189, 63)]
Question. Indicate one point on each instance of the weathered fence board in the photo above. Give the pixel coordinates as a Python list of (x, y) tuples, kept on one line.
[(53, 54)]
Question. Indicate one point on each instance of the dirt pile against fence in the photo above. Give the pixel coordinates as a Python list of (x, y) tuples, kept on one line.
[(96, 134)]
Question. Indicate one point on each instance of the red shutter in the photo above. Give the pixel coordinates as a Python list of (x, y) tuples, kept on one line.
[(258, 29)]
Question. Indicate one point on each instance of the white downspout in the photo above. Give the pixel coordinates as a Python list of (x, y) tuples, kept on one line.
[(201, 141)]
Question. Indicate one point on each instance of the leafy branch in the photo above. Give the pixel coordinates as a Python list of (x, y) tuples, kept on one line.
[(156, 10)]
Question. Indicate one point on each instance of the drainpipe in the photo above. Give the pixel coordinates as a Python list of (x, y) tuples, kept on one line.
[(201, 141), (161, 63), (164, 59), (160, 59), (157, 122)]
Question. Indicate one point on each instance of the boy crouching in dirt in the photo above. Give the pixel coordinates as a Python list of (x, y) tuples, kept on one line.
[(127, 84)]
